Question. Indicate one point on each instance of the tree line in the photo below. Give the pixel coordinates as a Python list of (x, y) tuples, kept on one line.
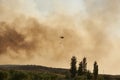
[(74, 73), (82, 69), (27, 75)]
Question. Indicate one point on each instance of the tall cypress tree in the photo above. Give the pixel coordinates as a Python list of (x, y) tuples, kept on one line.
[(73, 69), (80, 69), (84, 65), (95, 71)]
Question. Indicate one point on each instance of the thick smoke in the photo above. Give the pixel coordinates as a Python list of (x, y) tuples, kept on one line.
[(31, 40), (104, 16), (10, 39)]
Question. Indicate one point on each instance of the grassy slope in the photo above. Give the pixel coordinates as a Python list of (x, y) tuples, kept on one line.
[(34, 68), (42, 69)]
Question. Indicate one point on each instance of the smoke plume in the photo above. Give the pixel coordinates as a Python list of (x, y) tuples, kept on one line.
[(28, 37)]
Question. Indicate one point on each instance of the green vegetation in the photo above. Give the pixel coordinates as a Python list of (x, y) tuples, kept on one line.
[(25, 75), (95, 71), (73, 68), (3, 75), (32, 72), (82, 73)]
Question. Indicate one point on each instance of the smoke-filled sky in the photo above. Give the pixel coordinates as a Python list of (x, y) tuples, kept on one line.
[(31, 31)]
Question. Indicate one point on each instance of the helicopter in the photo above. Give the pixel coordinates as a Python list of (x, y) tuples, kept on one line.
[(62, 37)]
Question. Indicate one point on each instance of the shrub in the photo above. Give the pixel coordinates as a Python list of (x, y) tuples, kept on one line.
[(3, 75), (18, 75)]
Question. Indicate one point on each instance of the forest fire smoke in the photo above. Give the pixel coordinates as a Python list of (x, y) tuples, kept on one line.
[(27, 38)]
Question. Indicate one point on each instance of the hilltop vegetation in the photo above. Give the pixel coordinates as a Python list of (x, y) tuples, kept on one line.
[(82, 73), (34, 72), (26, 75)]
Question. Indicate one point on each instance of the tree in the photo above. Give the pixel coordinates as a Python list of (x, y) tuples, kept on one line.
[(80, 69), (3, 75), (18, 75), (95, 71), (73, 69), (84, 65)]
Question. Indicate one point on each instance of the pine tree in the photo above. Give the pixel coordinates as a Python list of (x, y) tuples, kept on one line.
[(73, 69), (95, 71), (80, 69)]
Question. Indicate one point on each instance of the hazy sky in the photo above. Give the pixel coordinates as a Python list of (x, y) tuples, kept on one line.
[(91, 28)]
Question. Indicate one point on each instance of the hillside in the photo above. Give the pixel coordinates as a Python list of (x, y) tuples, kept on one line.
[(111, 77), (34, 68), (59, 72)]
